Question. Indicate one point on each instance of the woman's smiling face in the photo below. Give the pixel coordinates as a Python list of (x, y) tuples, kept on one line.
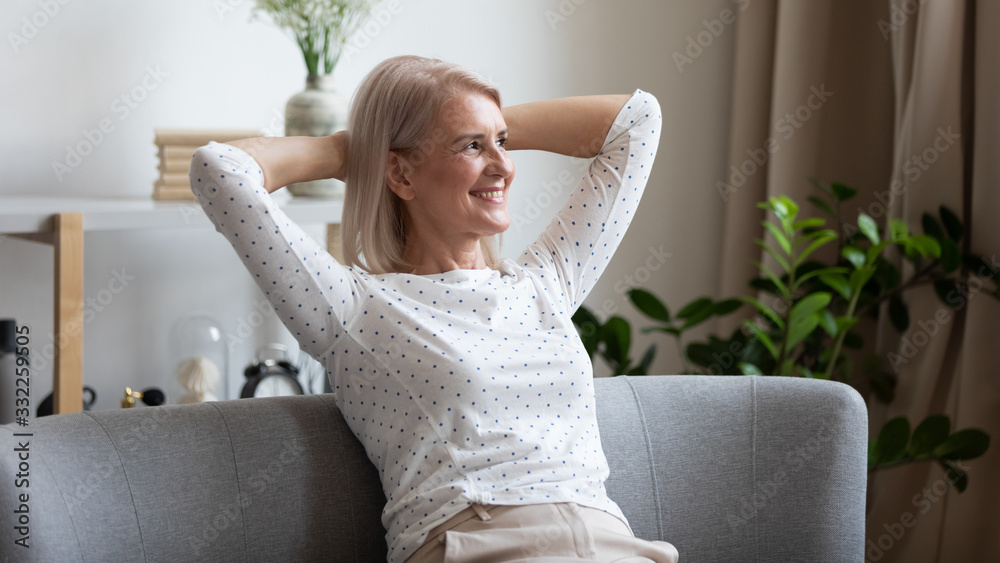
[(457, 182)]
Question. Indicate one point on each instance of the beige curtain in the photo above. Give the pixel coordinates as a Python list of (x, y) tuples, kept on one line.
[(903, 108)]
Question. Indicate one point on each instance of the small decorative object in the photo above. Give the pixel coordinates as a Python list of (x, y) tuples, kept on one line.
[(152, 397), (47, 406), (201, 371), (198, 376), (271, 374), (321, 27)]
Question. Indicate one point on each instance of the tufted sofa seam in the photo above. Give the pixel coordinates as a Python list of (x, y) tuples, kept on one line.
[(649, 454), (128, 482)]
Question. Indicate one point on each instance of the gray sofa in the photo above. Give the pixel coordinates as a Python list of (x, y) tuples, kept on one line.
[(725, 468)]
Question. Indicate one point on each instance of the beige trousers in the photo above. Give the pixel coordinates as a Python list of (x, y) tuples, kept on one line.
[(540, 533)]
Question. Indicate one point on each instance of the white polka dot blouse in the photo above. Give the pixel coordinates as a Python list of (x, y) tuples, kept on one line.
[(466, 386)]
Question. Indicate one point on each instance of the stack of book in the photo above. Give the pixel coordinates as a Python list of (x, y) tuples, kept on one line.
[(175, 148)]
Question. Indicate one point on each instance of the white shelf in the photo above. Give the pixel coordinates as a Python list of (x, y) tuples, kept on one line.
[(34, 214), (64, 222)]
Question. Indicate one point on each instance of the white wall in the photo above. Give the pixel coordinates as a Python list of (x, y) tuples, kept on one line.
[(209, 66)]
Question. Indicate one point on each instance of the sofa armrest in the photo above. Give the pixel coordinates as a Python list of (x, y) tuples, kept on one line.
[(739, 468)]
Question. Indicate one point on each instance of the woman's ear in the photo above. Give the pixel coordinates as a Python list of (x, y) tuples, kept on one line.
[(397, 175)]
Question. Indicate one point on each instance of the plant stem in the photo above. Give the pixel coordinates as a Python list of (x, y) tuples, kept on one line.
[(832, 364), (912, 282)]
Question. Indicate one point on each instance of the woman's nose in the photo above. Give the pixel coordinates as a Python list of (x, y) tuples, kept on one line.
[(501, 164)]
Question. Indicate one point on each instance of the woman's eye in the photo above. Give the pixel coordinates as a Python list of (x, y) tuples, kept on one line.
[(502, 142), (473, 145)]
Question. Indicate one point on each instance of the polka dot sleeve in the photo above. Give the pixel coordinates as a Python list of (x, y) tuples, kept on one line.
[(312, 293), (583, 236)]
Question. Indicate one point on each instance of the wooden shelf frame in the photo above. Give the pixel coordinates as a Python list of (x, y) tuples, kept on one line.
[(62, 222)]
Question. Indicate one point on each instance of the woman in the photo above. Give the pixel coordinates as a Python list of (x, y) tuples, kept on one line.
[(461, 373)]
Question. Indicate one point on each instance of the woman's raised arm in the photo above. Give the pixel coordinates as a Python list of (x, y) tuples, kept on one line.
[(575, 126), (288, 160)]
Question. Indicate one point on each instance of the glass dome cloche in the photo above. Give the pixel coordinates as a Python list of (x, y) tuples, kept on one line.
[(200, 358)]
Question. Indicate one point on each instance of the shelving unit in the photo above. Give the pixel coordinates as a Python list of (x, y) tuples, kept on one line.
[(63, 223)]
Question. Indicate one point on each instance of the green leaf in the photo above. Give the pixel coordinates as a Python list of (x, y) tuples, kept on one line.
[(898, 230), (842, 192), (898, 313), (695, 307), (786, 367), (696, 311), (821, 205), (809, 305), (784, 208), (892, 440), (749, 369), (876, 250), (928, 247), (779, 236), (872, 452), (774, 254), (806, 223), (839, 284), (700, 354), (968, 443), (763, 338), (804, 318), (854, 255), (829, 323), (947, 292), (952, 223), (951, 257), (617, 339), (649, 305), (930, 434), (955, 475), (868, 227), (780, 285), (860, 277), (764, 310), (726, 306), (821, 238), (931, 226), (667, 329), (763, 284), (800, 279), (799, 330)]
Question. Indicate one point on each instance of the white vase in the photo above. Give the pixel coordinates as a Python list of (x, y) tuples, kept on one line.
[(317, 111)]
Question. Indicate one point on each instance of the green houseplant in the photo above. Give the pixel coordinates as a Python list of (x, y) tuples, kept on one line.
[(321, 29), (805, 318)]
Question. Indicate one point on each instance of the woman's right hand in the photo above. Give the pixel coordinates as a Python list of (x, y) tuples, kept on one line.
[(290, 160)]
